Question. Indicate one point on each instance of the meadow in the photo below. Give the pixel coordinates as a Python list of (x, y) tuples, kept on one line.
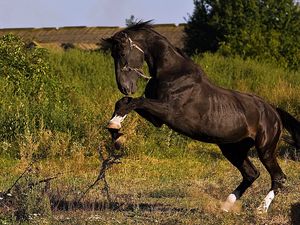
[(163, 178)]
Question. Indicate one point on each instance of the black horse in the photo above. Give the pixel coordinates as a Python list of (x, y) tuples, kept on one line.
[(180, 95)]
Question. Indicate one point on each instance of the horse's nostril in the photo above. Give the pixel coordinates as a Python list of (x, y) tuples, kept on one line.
[(125, 90), (131, 87)]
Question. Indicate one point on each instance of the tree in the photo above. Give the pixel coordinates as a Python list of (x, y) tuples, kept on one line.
[(261, 29), (131, 21)]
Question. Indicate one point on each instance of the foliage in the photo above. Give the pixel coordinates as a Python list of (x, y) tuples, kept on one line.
[(21, 65), (24, 86), (47, 109), (265, 30), (64, 109), (30, 198), (60, 113)]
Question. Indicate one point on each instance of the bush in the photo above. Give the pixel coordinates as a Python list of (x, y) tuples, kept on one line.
[(30, 198), (24, 77), (51, 103), (265, 30), (30, 94)]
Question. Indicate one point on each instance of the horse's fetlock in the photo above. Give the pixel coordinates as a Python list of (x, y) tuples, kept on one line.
[(278, 183)]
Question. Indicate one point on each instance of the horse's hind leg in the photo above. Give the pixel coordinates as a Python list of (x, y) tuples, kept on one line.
[(267, 155), (237, 155)]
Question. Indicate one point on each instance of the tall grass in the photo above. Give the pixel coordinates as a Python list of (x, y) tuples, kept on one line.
[(83, 92), (164, 168)]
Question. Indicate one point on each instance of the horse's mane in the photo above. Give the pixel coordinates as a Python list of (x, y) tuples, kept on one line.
[(147, 25), (140, 25)]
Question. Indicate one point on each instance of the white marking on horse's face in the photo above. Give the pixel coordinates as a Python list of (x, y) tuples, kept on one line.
[(264, 206), (227, 205)]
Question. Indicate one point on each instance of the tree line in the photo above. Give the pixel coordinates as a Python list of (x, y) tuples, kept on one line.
[(267, 30)]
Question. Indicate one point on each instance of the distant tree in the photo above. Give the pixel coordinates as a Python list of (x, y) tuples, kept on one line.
[(131, 21), (262, 29)]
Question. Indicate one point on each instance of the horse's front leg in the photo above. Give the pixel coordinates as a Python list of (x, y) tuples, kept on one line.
[(126, 105)]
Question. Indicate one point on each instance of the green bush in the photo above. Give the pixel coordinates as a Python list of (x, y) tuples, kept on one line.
[(24, 83), (266, 30)]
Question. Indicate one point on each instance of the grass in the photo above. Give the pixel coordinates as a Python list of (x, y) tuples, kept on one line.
[(178, 190), (165, 178)]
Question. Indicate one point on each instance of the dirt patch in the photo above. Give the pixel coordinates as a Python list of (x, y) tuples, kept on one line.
[(69, 205)]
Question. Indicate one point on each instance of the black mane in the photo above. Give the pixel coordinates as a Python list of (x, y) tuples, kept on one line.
[(148, 25), (140, 25)]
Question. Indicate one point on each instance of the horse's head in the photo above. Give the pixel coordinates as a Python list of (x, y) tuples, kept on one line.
[(128, 58)]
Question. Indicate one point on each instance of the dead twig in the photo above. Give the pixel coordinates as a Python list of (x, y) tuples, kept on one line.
[(17, 180), (45, 180), (108, 161)]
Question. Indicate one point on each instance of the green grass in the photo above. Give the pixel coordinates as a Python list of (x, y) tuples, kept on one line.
[(165, 178), (79, 100)]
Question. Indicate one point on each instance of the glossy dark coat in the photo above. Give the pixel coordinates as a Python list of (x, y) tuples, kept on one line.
[(180, 95)]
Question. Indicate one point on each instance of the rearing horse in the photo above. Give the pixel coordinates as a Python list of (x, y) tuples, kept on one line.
[(180, 95)]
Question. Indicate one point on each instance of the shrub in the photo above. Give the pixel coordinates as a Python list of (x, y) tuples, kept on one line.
[(265, 30), (23, 76)]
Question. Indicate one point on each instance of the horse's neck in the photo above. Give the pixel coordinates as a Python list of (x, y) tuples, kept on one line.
[(167, 62)]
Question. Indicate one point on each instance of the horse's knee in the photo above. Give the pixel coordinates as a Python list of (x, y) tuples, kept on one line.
[(254, 176)]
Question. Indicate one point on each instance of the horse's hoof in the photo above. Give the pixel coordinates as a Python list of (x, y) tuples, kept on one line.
[(114, 126), (229, 203), (226, 206), (261, 210), (115, 122), (119, 142)]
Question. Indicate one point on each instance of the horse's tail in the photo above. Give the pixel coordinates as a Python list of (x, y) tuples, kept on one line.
[(292, 125)]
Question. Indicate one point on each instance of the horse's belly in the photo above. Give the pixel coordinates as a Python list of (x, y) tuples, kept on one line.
[(222, 129)]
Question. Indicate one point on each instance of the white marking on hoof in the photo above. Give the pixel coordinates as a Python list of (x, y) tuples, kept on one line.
[(264, 206), (227, 205), (115, 122)]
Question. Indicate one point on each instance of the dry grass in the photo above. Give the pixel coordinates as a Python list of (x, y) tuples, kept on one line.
[(147, 190)]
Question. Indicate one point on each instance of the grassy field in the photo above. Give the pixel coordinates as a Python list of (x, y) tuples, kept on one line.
[(164, 178), (148, 190)]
